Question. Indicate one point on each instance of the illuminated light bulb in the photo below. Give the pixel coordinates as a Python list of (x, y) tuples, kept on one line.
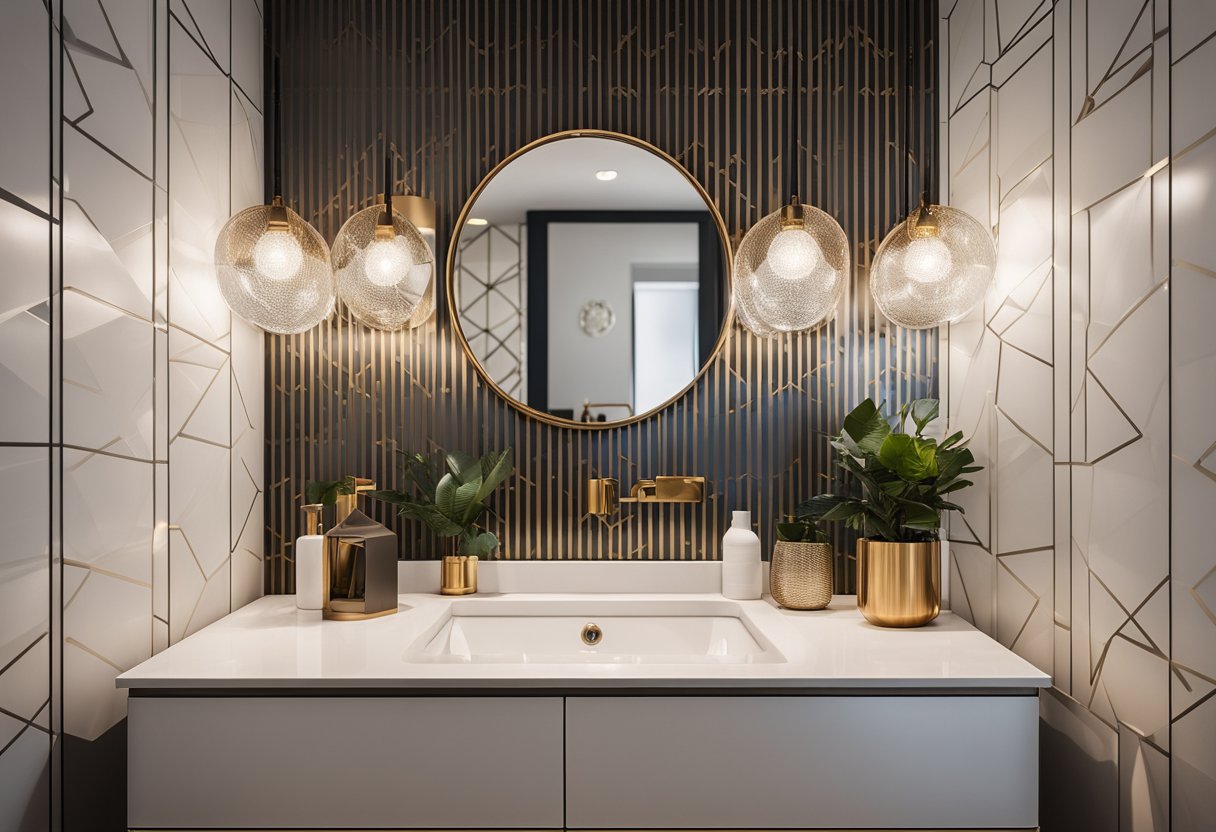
[(793, 254), (928, 260), (477, 221), (386, 262), (277, 255), (605, 175)]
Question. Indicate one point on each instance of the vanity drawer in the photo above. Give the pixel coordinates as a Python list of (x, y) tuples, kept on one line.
[(802, 762), (356, 762)]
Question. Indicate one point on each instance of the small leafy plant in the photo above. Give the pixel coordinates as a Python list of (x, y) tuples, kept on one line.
[(801, 529), (326, 492), (451, 502), (904, 478)]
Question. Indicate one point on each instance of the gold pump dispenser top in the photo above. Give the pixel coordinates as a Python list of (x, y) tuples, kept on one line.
[(312, 518)]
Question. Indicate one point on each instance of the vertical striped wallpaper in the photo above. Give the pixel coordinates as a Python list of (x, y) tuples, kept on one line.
[(451, 88)]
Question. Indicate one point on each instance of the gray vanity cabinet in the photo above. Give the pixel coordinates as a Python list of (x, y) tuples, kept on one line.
[(802, 762), (356, 762)]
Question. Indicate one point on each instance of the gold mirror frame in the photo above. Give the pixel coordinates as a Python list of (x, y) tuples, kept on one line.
[(727, 261)]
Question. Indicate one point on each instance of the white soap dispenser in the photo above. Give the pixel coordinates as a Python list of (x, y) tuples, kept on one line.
[(310, 548), (742, 572)]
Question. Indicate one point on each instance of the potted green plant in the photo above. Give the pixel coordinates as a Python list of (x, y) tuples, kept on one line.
[(450, 502), (902, 481), (800, 575)]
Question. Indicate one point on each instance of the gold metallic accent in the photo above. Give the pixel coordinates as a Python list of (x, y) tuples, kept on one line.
[(419, 210), (603, 499), (458, 575), (277, 219), (792, 214), (312, 518), (591, 635), (602, 495), (586, 414), (898, 584), (922, 222), (723, 237), (800, 576)]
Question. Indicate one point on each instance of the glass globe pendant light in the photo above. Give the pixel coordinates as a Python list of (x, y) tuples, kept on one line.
[(272, 266), (382, 264), (791, 268), (935, 266)]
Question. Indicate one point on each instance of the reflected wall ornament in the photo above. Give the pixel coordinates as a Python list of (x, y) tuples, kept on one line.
[(382, 266), (791, 270), (596, 318), (273, 269), (933, 268)]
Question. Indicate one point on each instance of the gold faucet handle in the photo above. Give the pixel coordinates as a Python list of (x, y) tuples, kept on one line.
[(602, 496)]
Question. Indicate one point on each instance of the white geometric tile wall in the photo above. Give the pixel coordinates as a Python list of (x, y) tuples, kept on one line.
[(131, 436), (1083, 134)]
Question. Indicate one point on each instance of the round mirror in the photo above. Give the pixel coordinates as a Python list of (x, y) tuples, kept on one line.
[(588, 279)]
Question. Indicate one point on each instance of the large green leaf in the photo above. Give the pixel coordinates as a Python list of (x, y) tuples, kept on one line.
[(445, 495), (923, 412), (494, 469), (910, 458), (433, 517), (481, 545), (463, 466), (387, 496), (866, 427), (465, 505)]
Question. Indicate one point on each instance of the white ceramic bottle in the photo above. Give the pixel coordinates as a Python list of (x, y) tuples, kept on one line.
[(310, 548), (742, 572)]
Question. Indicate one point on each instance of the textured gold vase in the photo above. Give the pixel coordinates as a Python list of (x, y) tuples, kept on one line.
[(898, 584), (800, 576)]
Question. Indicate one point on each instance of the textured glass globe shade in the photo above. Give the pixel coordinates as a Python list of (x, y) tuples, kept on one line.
[(273, 269), (933, 268), (382, 278), (790, 271)]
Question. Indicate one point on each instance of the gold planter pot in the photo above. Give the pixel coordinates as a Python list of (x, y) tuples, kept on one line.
[(800, 576), (898, 584)]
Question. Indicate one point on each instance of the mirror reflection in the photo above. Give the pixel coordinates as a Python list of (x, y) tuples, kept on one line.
[(589, 279)]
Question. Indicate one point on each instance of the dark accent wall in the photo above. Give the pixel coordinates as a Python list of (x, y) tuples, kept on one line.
[(450, 88)]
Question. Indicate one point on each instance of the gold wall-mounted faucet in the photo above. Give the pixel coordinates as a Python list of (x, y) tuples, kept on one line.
[(603, 493)]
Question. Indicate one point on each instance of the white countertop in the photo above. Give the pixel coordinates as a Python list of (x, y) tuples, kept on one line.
[(271, 644)]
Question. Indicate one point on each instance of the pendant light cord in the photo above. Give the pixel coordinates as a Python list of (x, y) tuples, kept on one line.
[(388, 160), (792, 111), (907, 49), (278, 126)]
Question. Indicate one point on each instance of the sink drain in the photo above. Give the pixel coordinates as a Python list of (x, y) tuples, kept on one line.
[(592, 635)]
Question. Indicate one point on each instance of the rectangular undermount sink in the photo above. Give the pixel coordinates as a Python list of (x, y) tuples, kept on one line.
[(496, 631)]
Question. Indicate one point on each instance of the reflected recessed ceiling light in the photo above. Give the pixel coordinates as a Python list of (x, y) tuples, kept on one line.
[(478, 221), (605, 175)]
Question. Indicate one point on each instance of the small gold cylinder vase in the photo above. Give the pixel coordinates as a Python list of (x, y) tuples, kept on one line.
[(800, 576), (458, 575), (898, 584)]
